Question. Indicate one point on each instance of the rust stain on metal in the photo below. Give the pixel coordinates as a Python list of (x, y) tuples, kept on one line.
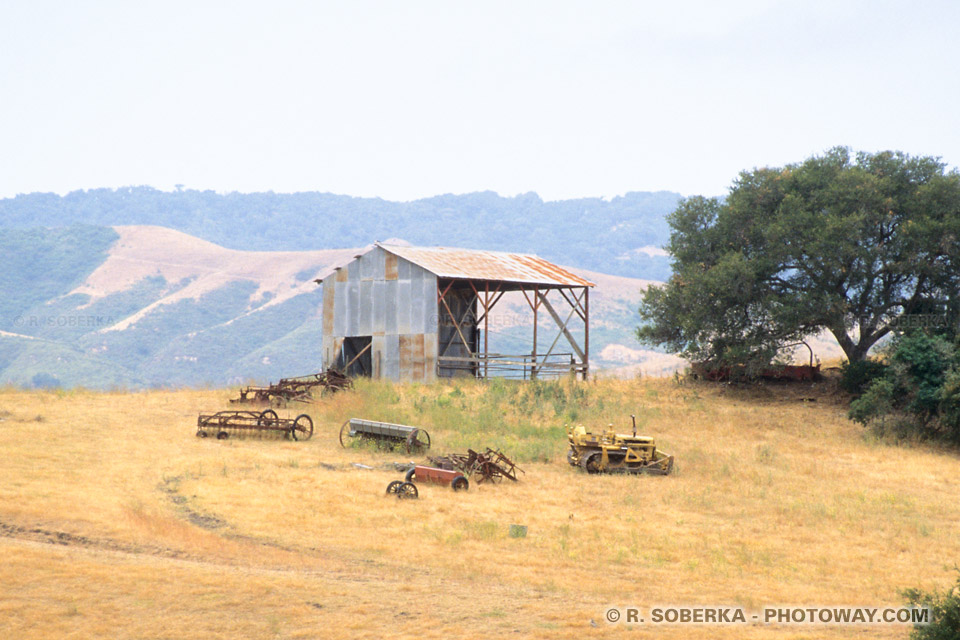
[(391, 272), (488, 265)]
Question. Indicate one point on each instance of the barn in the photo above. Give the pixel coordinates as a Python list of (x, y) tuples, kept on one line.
[(410, 313)]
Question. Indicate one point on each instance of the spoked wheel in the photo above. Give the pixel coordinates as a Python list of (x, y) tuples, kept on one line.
[(590, 462), (344, 433), (419, 440), (302, 427), (268, 418), (223, 435), (407, 490), (460, 483), (394, 486)]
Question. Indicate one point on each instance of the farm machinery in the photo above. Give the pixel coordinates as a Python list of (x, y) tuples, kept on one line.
[(224, 423), (298, 389), (611, 452)]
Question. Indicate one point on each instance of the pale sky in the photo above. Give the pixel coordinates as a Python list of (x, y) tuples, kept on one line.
[(406, 99)]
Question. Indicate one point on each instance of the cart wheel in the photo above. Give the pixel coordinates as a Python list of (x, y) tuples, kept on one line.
[(344, 433), (393, 486), (302, 427), (268, 418), (460, 483), (407, 490), (411, 473), (223, 435), (201, 434), (419, 440)]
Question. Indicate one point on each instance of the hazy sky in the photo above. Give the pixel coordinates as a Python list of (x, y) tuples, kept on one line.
[(405, 99)]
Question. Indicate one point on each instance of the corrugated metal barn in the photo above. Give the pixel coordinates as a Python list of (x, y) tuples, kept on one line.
[(418, 313)]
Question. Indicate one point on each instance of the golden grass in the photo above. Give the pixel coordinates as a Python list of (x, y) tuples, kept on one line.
[(118, 522)]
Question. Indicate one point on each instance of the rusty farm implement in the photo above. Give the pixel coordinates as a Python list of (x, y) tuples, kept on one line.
[(223, 424), (299, 389)]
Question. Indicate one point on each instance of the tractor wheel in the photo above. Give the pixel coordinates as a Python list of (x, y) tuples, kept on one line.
[(571, 458), (590, 462), (411, 474)]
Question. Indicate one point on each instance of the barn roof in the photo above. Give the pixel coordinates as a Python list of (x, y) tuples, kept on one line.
[(470, 264)]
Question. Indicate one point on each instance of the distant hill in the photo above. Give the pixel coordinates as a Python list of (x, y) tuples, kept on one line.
[(146, 306), (621, 236)]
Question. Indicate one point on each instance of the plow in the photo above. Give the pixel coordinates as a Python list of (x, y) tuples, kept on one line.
[(490, 466), (223, 424), (299, 389)]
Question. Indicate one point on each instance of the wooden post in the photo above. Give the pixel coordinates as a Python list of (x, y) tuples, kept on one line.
[(586, 331), (486, 327), (536, 303)]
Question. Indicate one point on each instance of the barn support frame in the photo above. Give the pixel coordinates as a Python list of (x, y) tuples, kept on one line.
[(485, 295)]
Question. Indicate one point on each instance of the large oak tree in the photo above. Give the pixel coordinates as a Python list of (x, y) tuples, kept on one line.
[(853, 244)]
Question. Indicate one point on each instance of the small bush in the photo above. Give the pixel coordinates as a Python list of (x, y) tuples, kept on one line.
[(944, 613), (857, 376)]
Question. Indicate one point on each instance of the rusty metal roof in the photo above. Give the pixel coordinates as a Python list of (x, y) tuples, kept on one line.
[(469, 264)]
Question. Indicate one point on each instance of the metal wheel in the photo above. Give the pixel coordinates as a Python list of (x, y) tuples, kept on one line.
[(344, 432), (590, 462), (460, 483), (201, 433), (302, 427), (570, 458), (394, 486), (223, 435), (419, 440), (407, 490), (411, 473), (268, 418)]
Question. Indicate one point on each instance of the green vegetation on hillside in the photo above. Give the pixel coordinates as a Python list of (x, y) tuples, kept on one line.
[(591, 233), (43, 264)]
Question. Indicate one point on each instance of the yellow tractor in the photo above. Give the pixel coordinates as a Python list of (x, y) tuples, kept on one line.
[(611, 452)]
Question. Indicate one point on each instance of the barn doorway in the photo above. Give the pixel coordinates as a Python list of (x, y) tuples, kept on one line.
[(354, 358)]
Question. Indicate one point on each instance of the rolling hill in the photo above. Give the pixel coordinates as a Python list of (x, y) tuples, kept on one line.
[(145, 306)]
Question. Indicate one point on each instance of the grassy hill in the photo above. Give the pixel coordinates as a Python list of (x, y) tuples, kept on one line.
[(115, 521), (141, 306)]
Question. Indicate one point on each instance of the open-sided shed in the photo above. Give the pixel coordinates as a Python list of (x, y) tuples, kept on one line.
[(418, 313)]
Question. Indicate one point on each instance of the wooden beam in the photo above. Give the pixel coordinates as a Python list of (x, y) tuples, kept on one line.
[(563, 327), (456, 325)]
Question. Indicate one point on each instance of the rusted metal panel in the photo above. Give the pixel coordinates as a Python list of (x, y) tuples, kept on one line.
[(405, 343), (430, 357), (418, 365), (328, 291), (341, 275), (488, 265), (391, 271)]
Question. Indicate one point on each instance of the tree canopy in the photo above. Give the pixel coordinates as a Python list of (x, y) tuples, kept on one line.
[(853, 244)]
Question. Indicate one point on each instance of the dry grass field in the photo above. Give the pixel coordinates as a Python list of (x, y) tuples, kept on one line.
[(117, 522)]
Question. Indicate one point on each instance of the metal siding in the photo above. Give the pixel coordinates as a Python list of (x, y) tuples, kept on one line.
[(419, 364), (390, 306), (430, 357), (379, 320), (350, 324), (363, 321), (403, 269), (376, 356), (416, 301), (367, 265), (327, 313), (390, 266), (404, 288), (353, 270), (340, 308), (391, 357), (405, 351)]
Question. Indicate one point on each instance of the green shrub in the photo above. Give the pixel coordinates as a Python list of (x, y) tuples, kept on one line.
[(857, 376), (944, 613)]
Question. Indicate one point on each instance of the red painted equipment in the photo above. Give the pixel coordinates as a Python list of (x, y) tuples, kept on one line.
[(422, 473)]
